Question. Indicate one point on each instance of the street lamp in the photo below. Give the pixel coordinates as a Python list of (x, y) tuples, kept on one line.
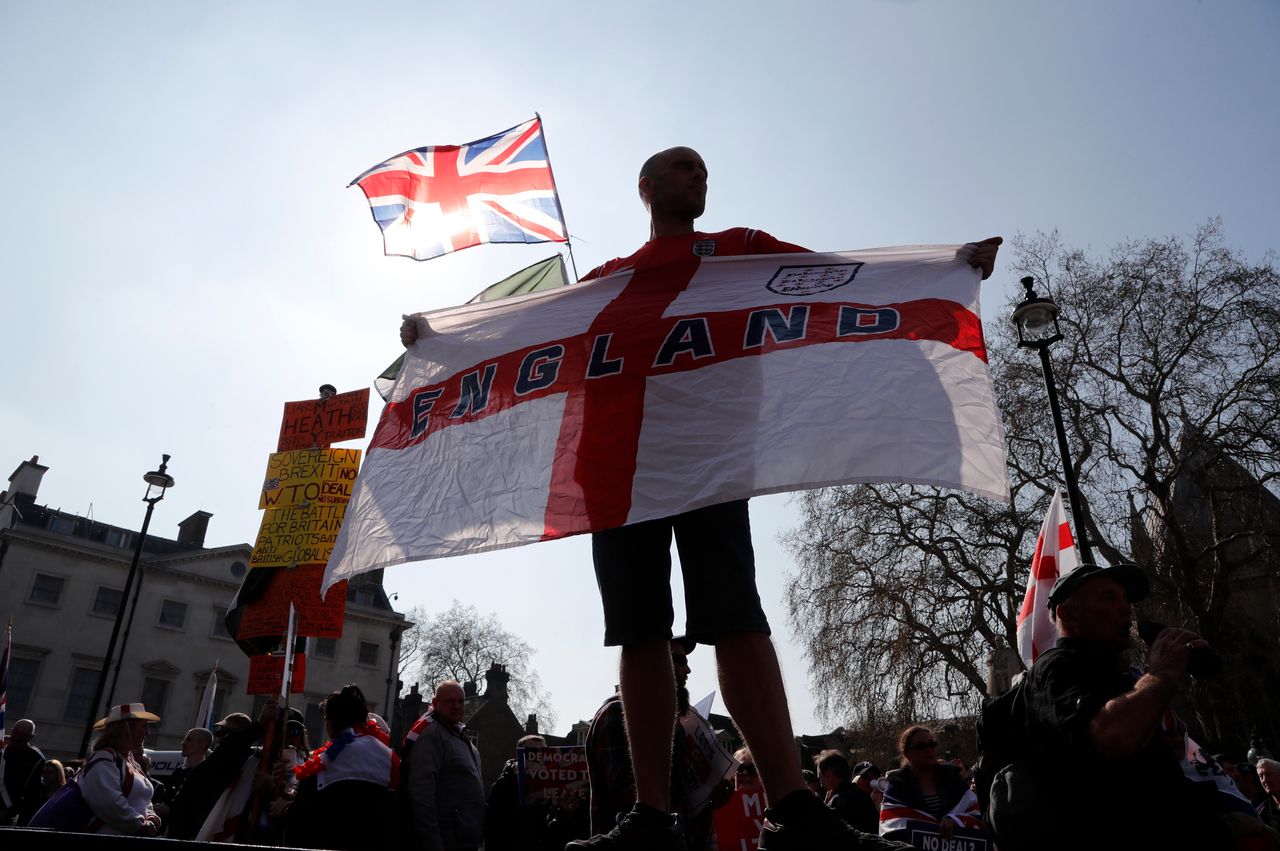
[(158, 481), (1037, 322)]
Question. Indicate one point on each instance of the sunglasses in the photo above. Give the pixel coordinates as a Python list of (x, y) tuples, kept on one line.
[(923, 746), (748, 769)]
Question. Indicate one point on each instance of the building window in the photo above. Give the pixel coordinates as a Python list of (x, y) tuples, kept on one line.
[(46, 590), (173, 614), (62, 524), (155, 693), (324, 648), (22, 683), (368, 653), (120, 538), (107, 601), (84, 682), (220, 623)]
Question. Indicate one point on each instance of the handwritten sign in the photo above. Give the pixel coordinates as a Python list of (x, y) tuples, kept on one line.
[(319, 617), (309, 476), (708, 763), (297, 535), (549, 774), (739, 822), (266, 674), (316, 423)]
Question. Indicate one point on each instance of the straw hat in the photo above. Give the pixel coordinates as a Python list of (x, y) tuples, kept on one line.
[(125, 712)]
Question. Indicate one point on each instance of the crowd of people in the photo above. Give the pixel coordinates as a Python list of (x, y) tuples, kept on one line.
[(1080, 754)]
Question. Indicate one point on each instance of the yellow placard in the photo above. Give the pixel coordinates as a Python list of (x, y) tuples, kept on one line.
[(297, 535), (322, 476)]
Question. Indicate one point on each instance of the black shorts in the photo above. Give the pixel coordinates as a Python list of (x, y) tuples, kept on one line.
[(633, 569)]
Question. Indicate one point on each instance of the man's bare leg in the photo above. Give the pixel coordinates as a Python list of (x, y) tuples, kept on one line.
[(649, 707), (751, 682)]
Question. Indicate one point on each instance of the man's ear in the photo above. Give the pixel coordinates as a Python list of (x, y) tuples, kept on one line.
[(645, 186)]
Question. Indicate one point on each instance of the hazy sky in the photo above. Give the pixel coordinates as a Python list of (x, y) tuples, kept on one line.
[(180, 256)]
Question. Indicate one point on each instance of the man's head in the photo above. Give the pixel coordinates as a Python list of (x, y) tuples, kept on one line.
[(833, 769), (1099, 611), (1269, 777), (531, 742), (196, 742), (233, 722), (681, 647), (23, 732), (449, 704), (673, 184)]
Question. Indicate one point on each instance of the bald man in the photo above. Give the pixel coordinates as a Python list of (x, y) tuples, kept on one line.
[(633, 567), (445, 791), (21, 763)]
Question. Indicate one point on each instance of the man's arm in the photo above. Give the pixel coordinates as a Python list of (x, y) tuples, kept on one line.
[(1126, 723), (424, 775)]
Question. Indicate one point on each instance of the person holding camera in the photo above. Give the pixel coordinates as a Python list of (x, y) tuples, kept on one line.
[(1100, 774)]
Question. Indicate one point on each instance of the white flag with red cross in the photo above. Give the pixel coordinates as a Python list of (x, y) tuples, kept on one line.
[(1055, 555), (648, 393)]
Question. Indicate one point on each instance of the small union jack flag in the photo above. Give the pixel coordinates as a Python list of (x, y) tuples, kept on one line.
[(442, 198)]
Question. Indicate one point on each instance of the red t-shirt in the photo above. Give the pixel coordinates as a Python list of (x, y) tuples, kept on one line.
[(664, 250)]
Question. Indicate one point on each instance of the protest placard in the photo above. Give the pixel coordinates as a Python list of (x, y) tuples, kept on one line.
[(926, 836), (266, 674), (739, 822), (709, 763), (309, 476), (297, 535), (549, 774), (316, 423), (317, 617)]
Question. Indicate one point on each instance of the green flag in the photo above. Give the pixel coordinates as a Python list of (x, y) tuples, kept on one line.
[(543, 275)]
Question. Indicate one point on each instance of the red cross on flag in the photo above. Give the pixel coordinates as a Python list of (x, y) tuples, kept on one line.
[(655, 391), (1055, 556)]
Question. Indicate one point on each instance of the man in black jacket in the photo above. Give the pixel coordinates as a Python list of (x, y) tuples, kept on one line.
[(234, 738), (850, 803)]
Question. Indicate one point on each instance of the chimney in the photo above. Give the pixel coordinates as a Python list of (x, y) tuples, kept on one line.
[(193, 529), (531, 726), (25, 480), (496, 683), (469, 689)]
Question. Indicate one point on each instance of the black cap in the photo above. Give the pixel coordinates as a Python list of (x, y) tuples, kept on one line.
[(686, 642), (1136, 585), (329, 387), (866, 768)]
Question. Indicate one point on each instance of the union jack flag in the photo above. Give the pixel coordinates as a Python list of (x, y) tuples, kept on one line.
[(898, 818), (442, 198)]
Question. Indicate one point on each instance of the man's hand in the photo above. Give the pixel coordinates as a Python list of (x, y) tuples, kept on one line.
[(981, 255), (408, 331), (1170, 652)]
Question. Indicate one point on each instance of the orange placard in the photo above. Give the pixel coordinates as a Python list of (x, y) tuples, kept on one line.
[(316, 423), (317, 617)]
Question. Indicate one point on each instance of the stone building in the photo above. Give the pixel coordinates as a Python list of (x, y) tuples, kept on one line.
[(63, 577)]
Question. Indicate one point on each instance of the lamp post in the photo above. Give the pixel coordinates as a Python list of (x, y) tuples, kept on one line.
[(1037, 322), (158, 481)]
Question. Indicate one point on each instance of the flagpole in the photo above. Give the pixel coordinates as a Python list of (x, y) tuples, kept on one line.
[(555, 193)]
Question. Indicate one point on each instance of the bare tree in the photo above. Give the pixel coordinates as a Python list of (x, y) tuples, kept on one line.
[(460, 644), (1168, 375)]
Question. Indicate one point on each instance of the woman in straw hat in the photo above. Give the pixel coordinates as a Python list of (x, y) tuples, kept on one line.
[(112, 781)]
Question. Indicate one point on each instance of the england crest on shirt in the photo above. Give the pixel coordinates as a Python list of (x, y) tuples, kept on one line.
[(704, 248)]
